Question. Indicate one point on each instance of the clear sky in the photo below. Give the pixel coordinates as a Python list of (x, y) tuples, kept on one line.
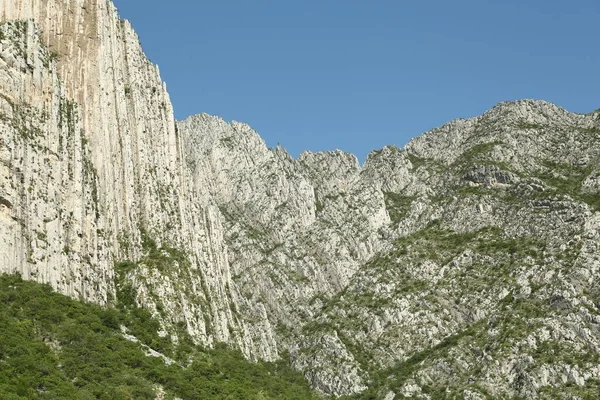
[(359, 74)]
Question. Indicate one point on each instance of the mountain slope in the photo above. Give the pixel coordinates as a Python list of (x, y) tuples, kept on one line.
[(467, 220), (496, 294), (465, 264), (53, 347)]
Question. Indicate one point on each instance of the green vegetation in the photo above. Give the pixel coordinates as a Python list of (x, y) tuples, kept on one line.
[(527, 125), (168, 262), (441, 244), (227, 142), (68, 115), (589, 131), (51, 56), (27, 121), (478, 150), (397, 205), (160, 258), (21, 26), (416, 161), (479, 154), (403, 370), (567, 179), (53, 347), (562, 179), (515, 320)]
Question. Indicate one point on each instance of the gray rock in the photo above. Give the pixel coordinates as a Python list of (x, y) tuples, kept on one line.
[(464, 265)]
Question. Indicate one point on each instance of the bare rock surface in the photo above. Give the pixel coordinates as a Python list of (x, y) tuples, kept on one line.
[(465, 264)]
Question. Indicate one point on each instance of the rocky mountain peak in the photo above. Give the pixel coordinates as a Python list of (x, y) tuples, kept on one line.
[(465, 264)]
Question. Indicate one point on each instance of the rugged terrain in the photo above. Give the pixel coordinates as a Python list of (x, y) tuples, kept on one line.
[(465, 264)]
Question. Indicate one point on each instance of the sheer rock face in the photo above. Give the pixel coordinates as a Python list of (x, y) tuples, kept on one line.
[(468, 256), (120, 112), (104, 153), (52, 227), (124, 110)]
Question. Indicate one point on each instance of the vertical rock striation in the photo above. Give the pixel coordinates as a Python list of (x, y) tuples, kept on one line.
[(102, 123), (52, 229), (465, 257)]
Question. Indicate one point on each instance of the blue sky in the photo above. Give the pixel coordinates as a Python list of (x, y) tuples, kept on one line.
[(358, 74)]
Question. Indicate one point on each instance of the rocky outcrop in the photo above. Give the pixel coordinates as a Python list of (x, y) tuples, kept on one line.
[(52, 228), (499, 235), (102, 147), (465, 264), (281, 223), (406, 256)]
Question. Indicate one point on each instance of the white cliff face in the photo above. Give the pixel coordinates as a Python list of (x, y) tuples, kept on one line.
[(112, 168), (468, 256), (101, 67), (52, 229), (125, 111)]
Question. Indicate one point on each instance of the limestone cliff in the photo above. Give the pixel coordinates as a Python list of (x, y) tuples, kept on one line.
[(92, 159), (465, 264)]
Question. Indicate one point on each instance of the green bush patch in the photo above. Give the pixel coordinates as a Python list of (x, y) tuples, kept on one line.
[(54, 347)]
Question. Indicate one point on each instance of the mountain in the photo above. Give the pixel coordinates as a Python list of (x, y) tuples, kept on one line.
[(464, 265)]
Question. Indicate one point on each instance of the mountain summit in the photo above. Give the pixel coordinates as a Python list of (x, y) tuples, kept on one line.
[(465, 265)]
